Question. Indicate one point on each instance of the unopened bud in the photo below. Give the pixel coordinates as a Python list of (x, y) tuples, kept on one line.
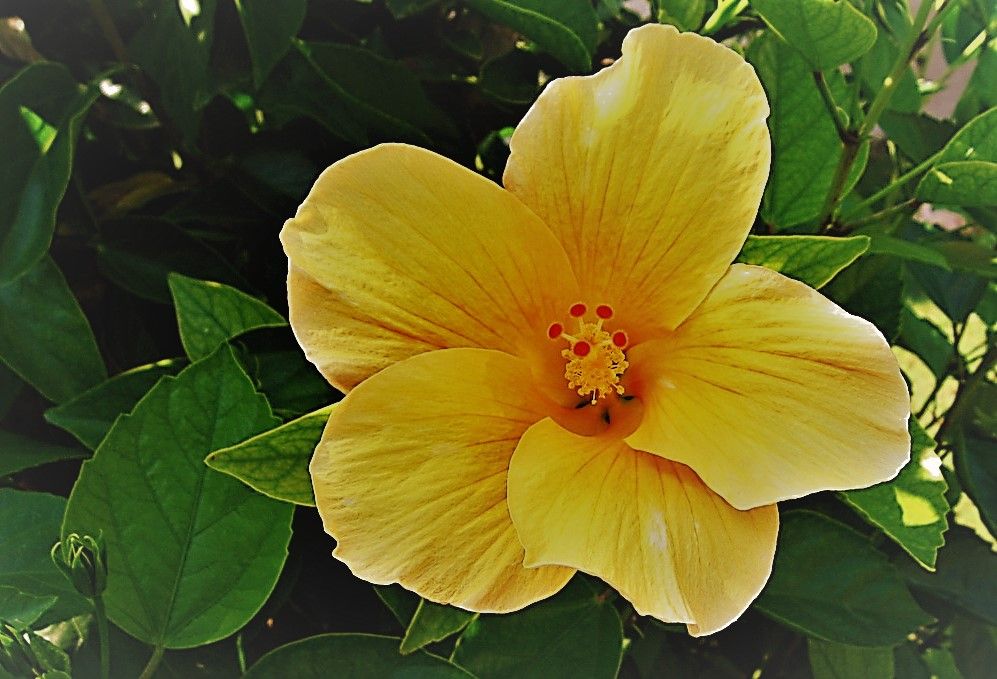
[(84, 561)]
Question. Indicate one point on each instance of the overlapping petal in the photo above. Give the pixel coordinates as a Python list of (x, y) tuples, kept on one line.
[(770, 391), (410, 478), (398, 250), (647, 526), (649, 172)]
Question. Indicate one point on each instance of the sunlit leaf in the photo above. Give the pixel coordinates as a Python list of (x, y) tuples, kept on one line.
[(967, 183), (212, 548), (275, 462), (827, 33), (911, 508), (812, 259), (44, 336), (830, 583)]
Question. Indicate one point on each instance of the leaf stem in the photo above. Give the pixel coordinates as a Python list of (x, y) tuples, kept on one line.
[(875, 217), (825, 92), (105, 638), (153, 664), (918, 169)]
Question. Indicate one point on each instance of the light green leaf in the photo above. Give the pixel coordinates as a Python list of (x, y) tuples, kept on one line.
[(209, 314), (805, 144), (29, 526), (90, 415), (977, 140), (20, 609), (911, 508), (192, 554), (574, 633), (566, 29), (812, 259), (827, 33), (20, 452), (830, 583), (839, 661), (875, 66), (269, 28), (41, 110), (275, 462), (966, 183), (433, 622), (351, 656), (44, 336), (687, 15)]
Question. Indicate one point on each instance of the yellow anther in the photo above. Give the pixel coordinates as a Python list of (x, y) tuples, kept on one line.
[(595, 363)]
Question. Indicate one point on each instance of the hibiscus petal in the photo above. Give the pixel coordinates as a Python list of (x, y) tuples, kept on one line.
[(410, 478), (770, 391), (647, 526), (398, 250), (650, 172)]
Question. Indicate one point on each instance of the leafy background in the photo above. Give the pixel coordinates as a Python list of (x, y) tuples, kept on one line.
[(152, 150)]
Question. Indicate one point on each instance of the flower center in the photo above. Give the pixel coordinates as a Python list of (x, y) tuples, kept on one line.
[(594, 361)]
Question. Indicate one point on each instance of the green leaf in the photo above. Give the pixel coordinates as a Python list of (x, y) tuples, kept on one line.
[(911, 508), (174, 48), (976, 466), (878, 62), (830, 583), (925, 339), (431, 623), (45, 338), (41, 111), (29, 526), (966, 183), (402, 9), (904, 249), (512, 78), (275, 462), (20, 609), (20, 452), (974, 646), (871, 288), (574, 633), (351, 656), (687, 15), (269, 28), (812, 259), (839, 661), (827, 33), (805, 144), (89, 416), (209, 314), (977, 140), (291, 384), (401, 602), (566, 29), (210, 548), (956, 293)]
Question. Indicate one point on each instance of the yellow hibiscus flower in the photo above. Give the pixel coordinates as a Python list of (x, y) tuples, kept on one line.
[(568, 373)]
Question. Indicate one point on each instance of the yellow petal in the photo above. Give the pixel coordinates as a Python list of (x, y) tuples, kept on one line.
[(649, 172), (397, 250), (771, 391), (410, 478), (647, 526)]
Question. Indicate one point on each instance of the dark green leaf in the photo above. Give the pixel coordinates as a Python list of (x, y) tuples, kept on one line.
[(401, 9), (209, 314), (29, 526), (966, 183), (90, 415), (351, 656), (957, 294), (41, 110), (964, 255), (210, 549), (174, 48), (566, 29), (911, 508), (269, 28), (812, 259), (830, 583), (20, 452), (574, 633), (512, 77), (925, 339), (876, 65), (976, 465), (839, 661), (918, 136), (827, 33), (974, 646), (275, 462), (871, 288), (904, 249), (139, 253), (45, 338), (433, 622), (401, 602), (805, 144), (291, 384), (20, 609)]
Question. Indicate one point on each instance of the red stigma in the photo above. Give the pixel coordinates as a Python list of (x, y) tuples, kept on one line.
[(578, 310), (555, 330), (604, 311), (581, 348), (620, 338)]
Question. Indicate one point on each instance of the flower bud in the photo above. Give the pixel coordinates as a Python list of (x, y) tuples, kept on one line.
[(84, 561)]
